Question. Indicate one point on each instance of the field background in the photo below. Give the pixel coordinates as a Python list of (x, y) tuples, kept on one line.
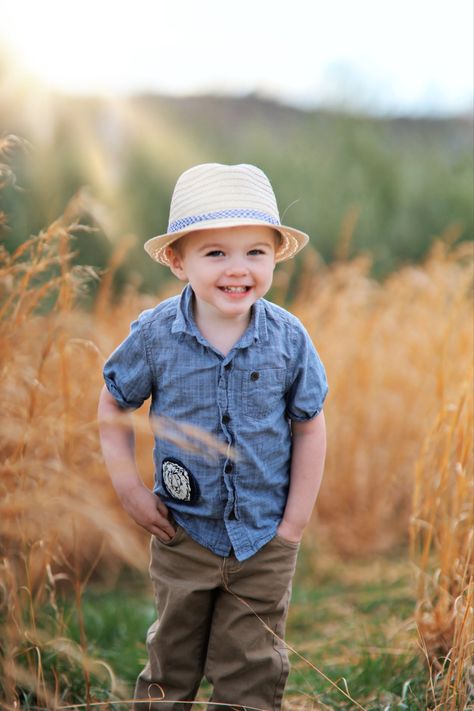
[(383, 594)]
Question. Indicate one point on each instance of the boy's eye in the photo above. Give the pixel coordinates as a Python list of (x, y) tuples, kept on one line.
[(253, 252), (215, 253)]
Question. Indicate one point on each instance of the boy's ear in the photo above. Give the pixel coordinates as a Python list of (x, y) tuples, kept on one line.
[(176, 263)]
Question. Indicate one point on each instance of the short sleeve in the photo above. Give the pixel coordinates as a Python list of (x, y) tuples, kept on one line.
[(308, 389), (127, 372)]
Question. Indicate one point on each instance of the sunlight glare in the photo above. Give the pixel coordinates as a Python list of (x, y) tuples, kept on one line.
[(398, 53)]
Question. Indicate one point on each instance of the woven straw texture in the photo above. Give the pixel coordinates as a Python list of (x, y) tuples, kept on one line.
[(212, 196)]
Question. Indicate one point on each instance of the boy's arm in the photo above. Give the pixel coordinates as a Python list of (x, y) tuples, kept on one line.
[(307, 465), (118, 447)]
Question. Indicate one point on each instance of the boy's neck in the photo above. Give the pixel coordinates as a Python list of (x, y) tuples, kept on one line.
[(221, 331)]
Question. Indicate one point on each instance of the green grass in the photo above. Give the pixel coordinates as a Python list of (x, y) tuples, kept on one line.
[(350, 620), (353, 621)]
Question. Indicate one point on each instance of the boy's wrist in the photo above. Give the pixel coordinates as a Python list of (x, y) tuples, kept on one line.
[(290, 531), (125, 487)]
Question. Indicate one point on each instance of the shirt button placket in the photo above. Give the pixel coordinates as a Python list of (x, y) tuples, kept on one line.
[(224, 401), (225, 420)]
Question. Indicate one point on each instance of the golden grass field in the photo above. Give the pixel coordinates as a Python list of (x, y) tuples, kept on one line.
[(400, 435)]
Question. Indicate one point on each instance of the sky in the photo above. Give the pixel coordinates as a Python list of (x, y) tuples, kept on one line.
[(384, 56)]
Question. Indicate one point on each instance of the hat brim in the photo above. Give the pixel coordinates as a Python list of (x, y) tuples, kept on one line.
[(292, 240)]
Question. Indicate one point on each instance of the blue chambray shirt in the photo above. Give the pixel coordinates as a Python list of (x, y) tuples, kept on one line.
[(246, 399)]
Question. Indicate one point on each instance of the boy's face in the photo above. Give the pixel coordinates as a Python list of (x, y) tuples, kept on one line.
[(228, 268)]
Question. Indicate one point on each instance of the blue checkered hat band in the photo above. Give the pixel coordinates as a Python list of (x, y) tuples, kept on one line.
[(243, 213)]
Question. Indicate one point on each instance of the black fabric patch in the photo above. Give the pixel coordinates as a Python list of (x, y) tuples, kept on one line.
[(178, 481)]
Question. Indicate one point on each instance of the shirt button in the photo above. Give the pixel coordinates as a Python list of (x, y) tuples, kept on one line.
[(228, 468), (225, 419), (254, 375)]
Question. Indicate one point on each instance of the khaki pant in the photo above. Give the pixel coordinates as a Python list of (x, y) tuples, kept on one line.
[(205, 626)]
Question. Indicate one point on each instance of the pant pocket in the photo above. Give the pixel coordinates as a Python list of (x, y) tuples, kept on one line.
[(179, 533), (286, 543)]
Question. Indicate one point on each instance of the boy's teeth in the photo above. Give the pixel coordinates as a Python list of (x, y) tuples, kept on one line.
[(235, 289)]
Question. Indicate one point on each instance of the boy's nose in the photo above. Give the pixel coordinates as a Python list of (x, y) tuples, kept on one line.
[(237, 267)]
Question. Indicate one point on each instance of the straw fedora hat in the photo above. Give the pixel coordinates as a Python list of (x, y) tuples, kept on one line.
[(213, 195)]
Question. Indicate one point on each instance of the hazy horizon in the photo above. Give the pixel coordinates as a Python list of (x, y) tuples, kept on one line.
[(404, 58)]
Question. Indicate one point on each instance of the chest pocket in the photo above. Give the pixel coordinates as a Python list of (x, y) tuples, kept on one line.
[(263, 391)]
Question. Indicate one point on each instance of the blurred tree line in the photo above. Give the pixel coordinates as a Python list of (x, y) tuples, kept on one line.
[(401, 181)]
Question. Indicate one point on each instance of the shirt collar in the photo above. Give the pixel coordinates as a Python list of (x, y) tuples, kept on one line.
[(184, 321)]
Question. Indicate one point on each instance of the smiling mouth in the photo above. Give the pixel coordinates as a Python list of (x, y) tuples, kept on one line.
[(235, 289)]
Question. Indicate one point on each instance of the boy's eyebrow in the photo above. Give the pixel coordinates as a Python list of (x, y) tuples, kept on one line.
[(210, 245), (224, 245)]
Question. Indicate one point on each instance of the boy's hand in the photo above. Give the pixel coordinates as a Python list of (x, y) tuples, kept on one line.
[(289, 533), (147, 510), (117, 440), (307, 464)]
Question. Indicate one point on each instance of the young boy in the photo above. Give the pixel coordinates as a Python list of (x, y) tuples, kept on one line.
[(225, 532)]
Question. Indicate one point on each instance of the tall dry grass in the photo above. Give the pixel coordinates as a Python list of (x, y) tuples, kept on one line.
[(442, 547), (399, 362), (54, 485), (397, 354), (59, 521)]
